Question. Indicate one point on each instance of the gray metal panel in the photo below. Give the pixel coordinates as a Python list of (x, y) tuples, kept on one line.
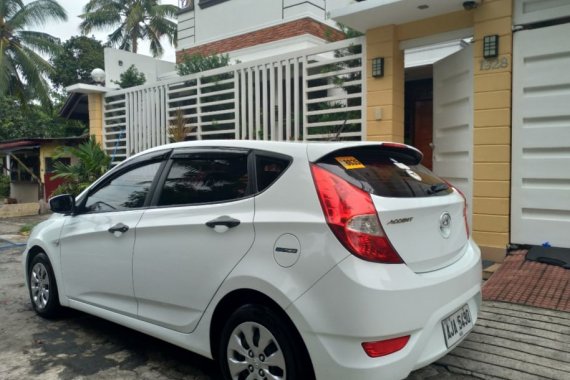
[(530, 11), (540, 203)]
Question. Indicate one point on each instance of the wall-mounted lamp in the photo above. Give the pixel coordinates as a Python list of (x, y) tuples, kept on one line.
[(378, 67), (491, 46)]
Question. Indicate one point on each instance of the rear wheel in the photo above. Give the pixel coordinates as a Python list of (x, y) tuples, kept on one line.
[(43, 288), (255, 344)]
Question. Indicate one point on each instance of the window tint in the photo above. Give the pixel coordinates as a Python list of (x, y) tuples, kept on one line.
[(268, 170), (127, 191), (387, 173), (205, 179)]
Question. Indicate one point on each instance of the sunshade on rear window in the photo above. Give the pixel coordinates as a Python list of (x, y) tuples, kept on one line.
[(386, 172)]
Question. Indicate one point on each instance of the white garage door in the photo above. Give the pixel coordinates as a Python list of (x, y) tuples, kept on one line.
[(540, 204), (453, 121)]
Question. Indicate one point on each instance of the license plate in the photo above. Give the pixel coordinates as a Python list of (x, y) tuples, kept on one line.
[(457, 325)]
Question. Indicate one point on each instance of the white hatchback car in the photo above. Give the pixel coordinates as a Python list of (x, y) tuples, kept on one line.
[(280, 260)]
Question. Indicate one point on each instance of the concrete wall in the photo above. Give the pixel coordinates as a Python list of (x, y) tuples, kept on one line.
[(95, 101), (118, 61), (492, 107), (222, 21), (25, 192)]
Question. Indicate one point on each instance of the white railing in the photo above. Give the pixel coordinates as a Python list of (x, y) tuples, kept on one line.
[(312, 94)]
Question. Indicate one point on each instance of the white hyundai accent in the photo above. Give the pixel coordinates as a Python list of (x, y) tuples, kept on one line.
[(279, 260)]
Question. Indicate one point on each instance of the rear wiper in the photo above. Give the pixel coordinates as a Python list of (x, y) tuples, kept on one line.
[(438, 187)]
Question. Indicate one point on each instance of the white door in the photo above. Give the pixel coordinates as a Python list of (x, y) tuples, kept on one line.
[(200, 228), (540, 203), (453, 121), (97, 244)]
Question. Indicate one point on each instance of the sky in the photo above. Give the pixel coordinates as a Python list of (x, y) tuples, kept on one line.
[(71, 28)]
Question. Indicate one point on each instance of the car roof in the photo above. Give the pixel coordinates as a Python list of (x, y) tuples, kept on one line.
[(312, 150)]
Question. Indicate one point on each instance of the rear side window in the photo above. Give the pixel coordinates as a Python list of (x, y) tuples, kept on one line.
[(268, 170), (384, 172), (205, 179)]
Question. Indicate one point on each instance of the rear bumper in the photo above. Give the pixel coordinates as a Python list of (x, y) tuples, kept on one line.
[(358, 301)]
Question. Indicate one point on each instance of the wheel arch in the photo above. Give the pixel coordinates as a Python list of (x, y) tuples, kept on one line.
[(33, 252), (240, 297)]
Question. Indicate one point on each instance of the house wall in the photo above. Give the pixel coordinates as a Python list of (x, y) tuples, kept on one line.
[(118, 61), (492, 108), (220, 23), (25, 192), (287, 30), (95, 101)]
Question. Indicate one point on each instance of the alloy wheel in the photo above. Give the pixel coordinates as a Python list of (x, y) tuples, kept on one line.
[(40, 286), (253, 353)]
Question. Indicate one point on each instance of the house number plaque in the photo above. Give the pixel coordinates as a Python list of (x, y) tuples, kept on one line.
[(494, 64)]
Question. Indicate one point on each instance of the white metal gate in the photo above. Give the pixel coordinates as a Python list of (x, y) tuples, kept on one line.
[(540, 203), (311, 94), (453, 121)]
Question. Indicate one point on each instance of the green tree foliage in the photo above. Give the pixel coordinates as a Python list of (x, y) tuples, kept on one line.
[(33, 121), (132, 20), (22, 67), (130, 78), (197, 63), (92, 162), (74, 63)]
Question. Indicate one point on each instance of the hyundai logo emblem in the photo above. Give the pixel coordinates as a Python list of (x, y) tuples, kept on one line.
[(445, 224)]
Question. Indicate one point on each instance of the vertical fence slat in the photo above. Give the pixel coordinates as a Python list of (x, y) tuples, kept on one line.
[(297, 99), (257, 106), (288, 100), (265, 96), (304, 83), (250, 116), (280, 102), (272, 101), (236, 105)]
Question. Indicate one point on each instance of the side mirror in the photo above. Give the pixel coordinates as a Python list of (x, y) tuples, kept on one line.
[(62, 204)]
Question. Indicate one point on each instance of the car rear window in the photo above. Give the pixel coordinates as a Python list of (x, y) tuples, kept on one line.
[(384, 172)]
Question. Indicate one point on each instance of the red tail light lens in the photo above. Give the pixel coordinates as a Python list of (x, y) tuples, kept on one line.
[(385, 347), (352, 217)]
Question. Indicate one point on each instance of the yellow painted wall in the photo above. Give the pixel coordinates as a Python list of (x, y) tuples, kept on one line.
[(49, 150), (492, 105), (492, 126), (95, 102), (46, 150), (387, 93)]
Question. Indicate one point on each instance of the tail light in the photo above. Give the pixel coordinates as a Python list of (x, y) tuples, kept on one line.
[(353, 219)]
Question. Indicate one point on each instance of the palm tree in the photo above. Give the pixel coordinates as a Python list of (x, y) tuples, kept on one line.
[(134, 20), (22, 68)]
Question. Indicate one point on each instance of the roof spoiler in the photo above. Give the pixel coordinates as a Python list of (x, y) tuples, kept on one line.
[(319, 150)]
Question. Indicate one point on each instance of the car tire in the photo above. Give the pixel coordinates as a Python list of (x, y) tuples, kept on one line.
[(256, 343), (43, 288)]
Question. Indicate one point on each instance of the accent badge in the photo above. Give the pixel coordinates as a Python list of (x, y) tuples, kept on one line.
[(445, 224)]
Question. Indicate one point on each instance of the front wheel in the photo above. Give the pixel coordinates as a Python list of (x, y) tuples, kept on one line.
[(256, 344), (43, 288)]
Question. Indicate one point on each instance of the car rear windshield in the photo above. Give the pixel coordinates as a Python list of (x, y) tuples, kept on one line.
[(386, 172)]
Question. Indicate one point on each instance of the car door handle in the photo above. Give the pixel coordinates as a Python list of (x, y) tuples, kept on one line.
[(119, 227), (223, 221)]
